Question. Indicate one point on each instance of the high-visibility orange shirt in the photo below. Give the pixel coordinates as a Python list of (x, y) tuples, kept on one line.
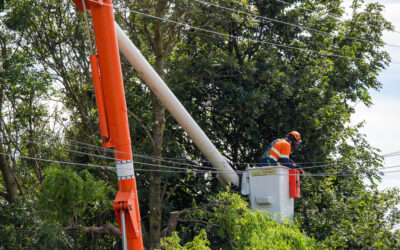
[(280, 150)]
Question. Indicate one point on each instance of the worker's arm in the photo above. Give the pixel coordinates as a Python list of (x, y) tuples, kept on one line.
[(286, 162), (297, 167), (282, 149)]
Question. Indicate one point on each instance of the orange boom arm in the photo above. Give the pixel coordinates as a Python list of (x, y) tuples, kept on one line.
[(111, 104)]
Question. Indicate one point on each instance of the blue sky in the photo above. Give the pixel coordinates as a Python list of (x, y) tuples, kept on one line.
[(382, 119)]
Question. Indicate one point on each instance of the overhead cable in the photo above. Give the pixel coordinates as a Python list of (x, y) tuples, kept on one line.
[(322, 53), (396, 153), (292, 24), (171, 160), (162, 159), (334, 17), (60, 162), (177, 161), (179, 170), (116, 159), (73, 151)]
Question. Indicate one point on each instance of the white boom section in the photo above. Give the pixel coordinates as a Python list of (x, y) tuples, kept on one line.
[(161, 90)]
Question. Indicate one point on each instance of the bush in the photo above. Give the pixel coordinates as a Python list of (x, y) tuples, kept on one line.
[(229, 223)]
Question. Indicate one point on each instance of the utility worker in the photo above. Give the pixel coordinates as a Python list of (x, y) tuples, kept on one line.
[(279, 150)]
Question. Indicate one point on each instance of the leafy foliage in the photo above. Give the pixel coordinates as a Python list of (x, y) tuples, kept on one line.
[(231, 224), (199, 242), (22, 226), (358, 219), (68, 194)]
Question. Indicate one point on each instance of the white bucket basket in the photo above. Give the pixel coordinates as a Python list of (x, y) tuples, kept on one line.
[(268, 189)]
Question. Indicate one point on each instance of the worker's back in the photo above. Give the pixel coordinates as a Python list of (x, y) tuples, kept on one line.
[(278, 151)]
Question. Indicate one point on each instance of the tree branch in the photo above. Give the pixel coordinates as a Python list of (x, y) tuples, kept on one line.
[(144, 128), (104, 229), (172, 222), (174, 218), (170, 193)]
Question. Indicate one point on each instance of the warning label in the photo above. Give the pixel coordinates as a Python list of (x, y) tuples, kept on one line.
[(260, 173)]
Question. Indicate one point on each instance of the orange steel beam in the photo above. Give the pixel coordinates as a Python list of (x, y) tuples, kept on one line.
[(110, 98)]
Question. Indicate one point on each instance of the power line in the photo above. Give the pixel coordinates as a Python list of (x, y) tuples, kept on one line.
[(326, 174), (73, 151), (198, 168), (180, 170), (157, 158), (396, 166), (322, 166), (292, 24), (334, 17), (396, 153), (135, 155), (116, 159), (322, 53), (162, 159), (196, 165), (90, 146), (75, 143), (60, 162)]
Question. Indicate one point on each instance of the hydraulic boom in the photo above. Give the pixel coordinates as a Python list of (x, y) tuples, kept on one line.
[(110, 98)]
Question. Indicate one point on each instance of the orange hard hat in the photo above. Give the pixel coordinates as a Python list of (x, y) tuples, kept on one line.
[(295, 135)]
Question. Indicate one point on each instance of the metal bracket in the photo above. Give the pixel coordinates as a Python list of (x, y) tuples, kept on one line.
[(124, 201)]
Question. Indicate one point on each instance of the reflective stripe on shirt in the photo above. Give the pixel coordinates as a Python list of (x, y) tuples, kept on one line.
[(280, 149), (273, 157), (276, 151)]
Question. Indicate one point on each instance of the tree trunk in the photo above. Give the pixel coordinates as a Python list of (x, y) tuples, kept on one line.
[(8, 177), (104, 229), (162, 38), (155, 176)]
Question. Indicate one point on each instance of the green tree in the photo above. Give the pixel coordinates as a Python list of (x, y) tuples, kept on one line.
[(244, 106), (23, 91), (231, 224), (79, 203), (199, 242), (52, 37), (22, 227), (346, 212)]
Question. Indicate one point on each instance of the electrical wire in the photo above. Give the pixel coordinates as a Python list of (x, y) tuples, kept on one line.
[(396, 153), (396, 166), (186, 25), (60, 162), (120, 152), (178, 168), (156, 165), (73, 151), (292, 24), (181, 170), (334, 17), (152, 158), (197, 166), (116, 159)]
